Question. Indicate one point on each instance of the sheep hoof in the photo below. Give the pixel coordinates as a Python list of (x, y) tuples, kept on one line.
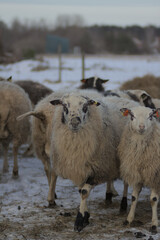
[(81, 221), (153, 229), (123, 206), (125, 223), (51, 204), (109, 198), (15, 174)]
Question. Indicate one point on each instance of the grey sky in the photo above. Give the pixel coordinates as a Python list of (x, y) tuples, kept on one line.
[(112, 12)]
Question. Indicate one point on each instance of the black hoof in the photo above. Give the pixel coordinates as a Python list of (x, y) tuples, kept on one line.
[(123, 206), (153, 229), (139, 235), (81, 221), (51, 204), (15, 174), (125, 223), (109, 198), (55, 196)]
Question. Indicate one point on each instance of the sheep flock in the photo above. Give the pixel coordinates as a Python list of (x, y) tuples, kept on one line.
[(89, 136)]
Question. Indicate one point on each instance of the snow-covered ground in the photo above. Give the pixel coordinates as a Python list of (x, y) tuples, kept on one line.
[(116, 68), (23, 201)]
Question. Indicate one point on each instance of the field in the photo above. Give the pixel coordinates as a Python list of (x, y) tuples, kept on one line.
[(24, 212)]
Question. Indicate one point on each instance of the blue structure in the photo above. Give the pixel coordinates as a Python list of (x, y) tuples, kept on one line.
[(53, 42)]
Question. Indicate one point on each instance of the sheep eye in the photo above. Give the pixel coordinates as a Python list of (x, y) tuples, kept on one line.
[(65, 109), (85, 108)]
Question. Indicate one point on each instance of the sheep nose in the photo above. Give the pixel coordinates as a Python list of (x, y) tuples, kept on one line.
[(75, 121), (141, 126)]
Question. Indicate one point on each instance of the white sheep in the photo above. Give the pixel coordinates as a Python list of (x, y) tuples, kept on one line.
[(41, 126), (14, 101), (139, 153), (83, 147)]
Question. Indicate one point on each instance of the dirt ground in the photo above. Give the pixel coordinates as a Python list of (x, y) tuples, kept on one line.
[(24, 212)]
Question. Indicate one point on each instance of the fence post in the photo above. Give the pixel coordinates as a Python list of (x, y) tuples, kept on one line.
[(60, 63), (83, 65)]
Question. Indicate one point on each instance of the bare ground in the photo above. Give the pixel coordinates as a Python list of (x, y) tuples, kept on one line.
[(25, 215)]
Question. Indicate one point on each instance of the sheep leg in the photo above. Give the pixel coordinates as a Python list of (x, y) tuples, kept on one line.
[(5, 161), (154, 198), (15, 166), (51, 193), (47, 168), (136, 191), (83, 214), (109, 193), (123, 206)]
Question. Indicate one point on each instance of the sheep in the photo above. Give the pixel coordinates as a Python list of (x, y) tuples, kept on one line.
[(35, 90), (78, 128), (93, 83), (136, 95), (83, 146), (14, 101), (139, 153)]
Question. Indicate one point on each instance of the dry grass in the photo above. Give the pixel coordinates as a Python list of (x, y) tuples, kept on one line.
[(149, 83)]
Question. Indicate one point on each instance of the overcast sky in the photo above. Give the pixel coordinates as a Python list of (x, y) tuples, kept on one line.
[(101, 12)]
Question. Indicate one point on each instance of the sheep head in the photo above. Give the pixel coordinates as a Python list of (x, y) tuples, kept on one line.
[(94, 82), (141, 118), (75, 110)]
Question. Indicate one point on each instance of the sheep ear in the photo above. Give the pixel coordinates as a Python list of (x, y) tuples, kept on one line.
[(92, 102), (104, 80), (9, 79), (125, 111), (147, 100), (56, 102), (83, 80), (156, 113), (35, 114)]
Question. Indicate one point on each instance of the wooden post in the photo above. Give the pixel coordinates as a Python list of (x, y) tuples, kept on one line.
[(83, 65), (60, 63)]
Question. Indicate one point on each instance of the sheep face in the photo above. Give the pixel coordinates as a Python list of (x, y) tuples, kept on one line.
[(143, 97), (75, 110), (141, 119)]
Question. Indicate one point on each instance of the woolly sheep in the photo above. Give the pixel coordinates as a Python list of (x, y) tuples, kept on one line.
[(41, 126), (139, 153), (78, 128), (14, 101)]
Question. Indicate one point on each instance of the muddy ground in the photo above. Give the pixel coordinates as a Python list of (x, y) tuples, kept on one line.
[(24, 212)]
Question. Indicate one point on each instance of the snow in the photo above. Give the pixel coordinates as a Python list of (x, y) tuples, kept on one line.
[(23, 202), (116, 68)]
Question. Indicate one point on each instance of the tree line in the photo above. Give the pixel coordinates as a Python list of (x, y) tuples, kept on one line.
[(23, 40)]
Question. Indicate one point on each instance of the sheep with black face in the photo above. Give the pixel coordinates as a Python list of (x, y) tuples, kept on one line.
[(82, 147)]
